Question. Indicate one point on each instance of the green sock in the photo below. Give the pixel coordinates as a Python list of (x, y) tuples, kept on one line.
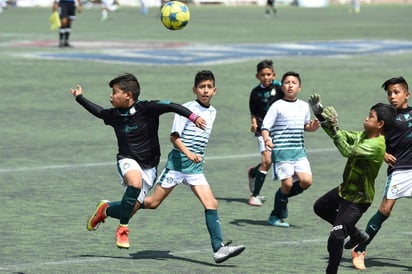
[(114, 210), (295, 190), (280, 206), (128, 202), (259, 180), (213, 226), (372, 229)]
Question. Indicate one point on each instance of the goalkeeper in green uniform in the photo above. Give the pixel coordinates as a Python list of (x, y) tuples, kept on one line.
[(344, 205)]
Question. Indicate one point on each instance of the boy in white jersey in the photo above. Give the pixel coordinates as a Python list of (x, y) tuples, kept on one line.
[(283, 133), (185, 164)]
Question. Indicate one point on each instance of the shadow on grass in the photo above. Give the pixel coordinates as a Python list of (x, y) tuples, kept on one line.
[(157, 255), (233, 200), (243, 222), (380, 262)]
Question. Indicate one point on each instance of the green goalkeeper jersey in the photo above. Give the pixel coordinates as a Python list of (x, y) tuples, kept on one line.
[(365, 157)]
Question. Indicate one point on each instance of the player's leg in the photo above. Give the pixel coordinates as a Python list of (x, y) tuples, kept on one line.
[(131, 173), (154, 200), (259, 174), (269, 5), (355, 6), (203, 192), (64, 19), (105, 9), (327, 205), (303, 175), (376, 221), (347, 217), (262, 171), (251, 172), (167, 181), (284, 171), (398, 185), (71, 17)]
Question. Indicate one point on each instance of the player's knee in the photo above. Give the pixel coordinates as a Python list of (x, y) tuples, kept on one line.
[(338, 232), (385, 210), (150, 203), (317, 208), (212, 204), (305, 184), (386, 207), (266, 163)]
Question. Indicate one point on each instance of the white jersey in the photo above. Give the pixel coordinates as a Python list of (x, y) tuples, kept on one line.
[(285, 122), (194, 138)]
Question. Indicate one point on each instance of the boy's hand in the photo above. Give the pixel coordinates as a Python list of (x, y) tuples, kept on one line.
[(200, 123), (269, 144), (316, 105), (76, 91), (331, 116), (253, 128)]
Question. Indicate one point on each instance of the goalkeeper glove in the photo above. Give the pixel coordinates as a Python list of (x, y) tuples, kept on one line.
[(331, 116), (316, 105)]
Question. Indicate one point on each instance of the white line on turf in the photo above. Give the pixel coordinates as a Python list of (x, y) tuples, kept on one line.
[(72, 166), (16, 267)]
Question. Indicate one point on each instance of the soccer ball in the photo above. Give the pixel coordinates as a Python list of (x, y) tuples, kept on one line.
[(174, 15)]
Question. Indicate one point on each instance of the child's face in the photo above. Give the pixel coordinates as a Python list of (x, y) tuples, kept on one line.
[(291, 87), (266, 76), (119, 98), (371, 123), (204, 91), (398, 96)]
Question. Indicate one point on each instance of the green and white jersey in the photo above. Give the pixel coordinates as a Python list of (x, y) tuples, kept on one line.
[(194, 138), (285, 121), (365, 156)]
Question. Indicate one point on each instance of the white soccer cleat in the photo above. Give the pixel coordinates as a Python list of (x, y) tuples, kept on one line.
[(227, 251)]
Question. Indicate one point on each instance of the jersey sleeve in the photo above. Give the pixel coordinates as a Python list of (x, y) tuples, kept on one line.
[(270, 118), (307, 114), (252, 105), (179, 123), (159, 107), (93, 108), (349, 145)]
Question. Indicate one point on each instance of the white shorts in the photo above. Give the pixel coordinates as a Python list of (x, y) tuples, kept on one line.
[(107, 3), (261, 144), (398, 185), (148, 175), (283, 170), (170, 178)]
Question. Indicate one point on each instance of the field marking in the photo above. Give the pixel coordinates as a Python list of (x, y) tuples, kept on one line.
[(16, 267), (85, 165), (183, 54)]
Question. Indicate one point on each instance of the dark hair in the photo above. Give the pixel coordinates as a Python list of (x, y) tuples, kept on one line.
[(393, 81), (204, 75), (385, 113), (127, 82), (291, 73), (265, 64)]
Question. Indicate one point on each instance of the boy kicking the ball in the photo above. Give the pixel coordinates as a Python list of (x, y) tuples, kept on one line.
[(344, 205)]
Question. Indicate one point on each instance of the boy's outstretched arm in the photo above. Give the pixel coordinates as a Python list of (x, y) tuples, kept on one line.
[(90, 106)]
